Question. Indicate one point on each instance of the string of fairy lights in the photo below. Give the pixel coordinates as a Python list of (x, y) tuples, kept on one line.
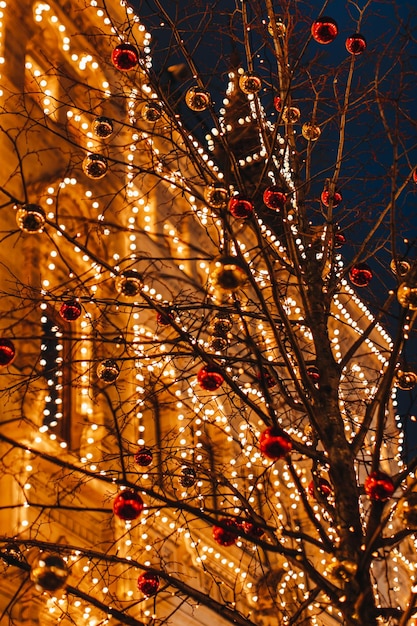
[(192, 407)]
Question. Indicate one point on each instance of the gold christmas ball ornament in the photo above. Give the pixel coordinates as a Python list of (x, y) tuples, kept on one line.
[(342, 570), (310, 131), (407, 510), (407, 296), (95, 166), (197, 99), (228, 274), (129, 284), (152, 111), (49, 572), (405, 380), (280, 28), (400, 267), (216, 195), (102, 127), (250, 83), (108, 371), (30, 218), (291, 115)]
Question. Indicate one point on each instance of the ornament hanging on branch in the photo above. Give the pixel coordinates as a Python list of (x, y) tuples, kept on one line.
[(379, 486), (326, 197), (128, 505), (407, 510), (324, 30), (319, 486), (310, 131), (129, 284), (95, 166), (407, 296), (240, 207), (7, 352), (228, 274), (49, 572), (405, 380), (125, 57), (188, 477), (148, 583), (210, 378), (356, 44), (108, 371), (143, 457), (250, 83), (291, 115), (30, 218), (280, 28), (400, 267), (165, 317), (197, 99), (216, 195), (360, 275), (274, 198), (152, 111), (226, 536), (274, 443), (102, 127), (70, 310)]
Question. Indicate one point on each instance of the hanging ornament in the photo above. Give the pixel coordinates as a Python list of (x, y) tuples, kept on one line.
[(280, 28), (251, 528), (324, 30), (313, 374), (218, 344), (407, 296), (326, 196), (223, 536), (274, 443), (228, 274), (108, 371), (128, 505), (360, 275), (70, 310), (129, 284), (95, 166), (356, 44), (148, 583), (415, 175), (197, 99), (125, 57), (291, 115), (274, 198), (216, 195), (7, 352), (400, 267), (49, 572), (188, 477), (164, 318), (30, 218), (310, 131), (379, 486), (407, 510), (102, 127), (278, 104), (210, 378), (339, 239), (152, 111), (320, 486), (405, 380), (241, 208), (342, 570), (222, 324), (250, 83), (143, 457), (266, 378)]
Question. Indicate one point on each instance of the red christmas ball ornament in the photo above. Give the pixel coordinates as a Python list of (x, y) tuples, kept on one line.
[(267, 378), (415, 176), (326, 196), (278, 103), (225, 537), (339, 240), (324, 30), (274, 198), (148, 583), (355, 44), (313, 374), (143, 457), (274, 443), (250, 528), (164, 318), (70, 310), (360, 275), (125, 57), (7, 352), (128, 505), (210, 378), (321, 486), (241, 208), (379, 486)]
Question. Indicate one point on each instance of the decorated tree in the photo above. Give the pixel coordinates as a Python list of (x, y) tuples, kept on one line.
[(208, 292)]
